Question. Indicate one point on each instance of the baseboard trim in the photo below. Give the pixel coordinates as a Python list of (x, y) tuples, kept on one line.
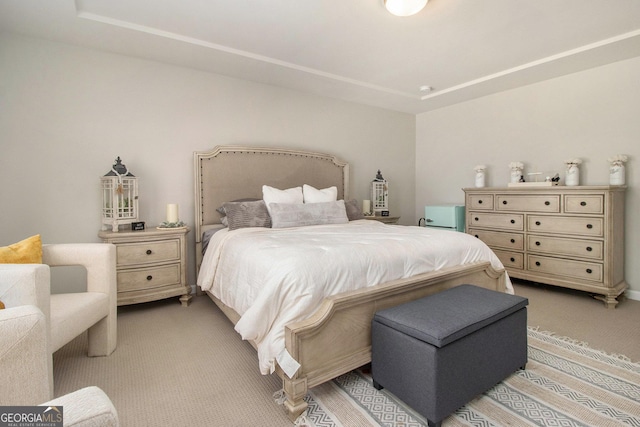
[(635, 295)]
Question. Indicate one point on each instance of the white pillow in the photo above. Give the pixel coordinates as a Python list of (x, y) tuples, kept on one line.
[(274, 195), (313, 195)]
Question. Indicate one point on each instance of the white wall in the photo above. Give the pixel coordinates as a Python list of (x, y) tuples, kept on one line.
[(67, 112), (591, 115)]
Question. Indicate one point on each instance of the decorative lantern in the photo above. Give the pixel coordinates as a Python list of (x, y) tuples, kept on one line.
[(380, 195), (119, 197)]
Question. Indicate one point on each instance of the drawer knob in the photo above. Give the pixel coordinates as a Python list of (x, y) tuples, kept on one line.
[(583, 203), (477, 236), (537, 222), (476, 219), (149, 277), (149, 251), (547, 203), (512, 259), (513, 221), (589, 248), (589, 271), (504, 202), (537, 243), (589, 226), (480, 202), (538, 263), (513, 240)]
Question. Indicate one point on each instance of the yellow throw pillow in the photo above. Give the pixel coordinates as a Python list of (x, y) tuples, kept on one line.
[(27, 251)]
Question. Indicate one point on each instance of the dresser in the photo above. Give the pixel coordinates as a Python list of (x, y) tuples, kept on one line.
[(571, 237), (151, 264)]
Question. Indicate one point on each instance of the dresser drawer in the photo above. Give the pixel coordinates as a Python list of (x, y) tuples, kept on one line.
[(587, 204), (480, 201), (496, 220), (593, 249), (565, 267), (498, 239), (510, 259), (534, 203), (565, 225), (147, 278), (148, 252)]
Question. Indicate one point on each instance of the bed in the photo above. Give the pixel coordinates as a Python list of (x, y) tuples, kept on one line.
[(310, 356)]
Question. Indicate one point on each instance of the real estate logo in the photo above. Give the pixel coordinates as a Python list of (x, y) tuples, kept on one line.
[(31, 416)]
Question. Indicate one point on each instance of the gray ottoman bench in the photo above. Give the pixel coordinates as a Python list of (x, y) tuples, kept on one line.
[(439, 352)]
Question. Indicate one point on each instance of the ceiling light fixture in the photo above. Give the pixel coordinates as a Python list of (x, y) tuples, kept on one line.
[(405, 7)]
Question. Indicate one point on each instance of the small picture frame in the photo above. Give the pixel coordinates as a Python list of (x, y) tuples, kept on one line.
[(384, 213)]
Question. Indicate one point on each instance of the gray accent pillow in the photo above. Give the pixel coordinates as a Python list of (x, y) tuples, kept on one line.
[(247, 214), (221, 211), (353, 210), (285, 215)]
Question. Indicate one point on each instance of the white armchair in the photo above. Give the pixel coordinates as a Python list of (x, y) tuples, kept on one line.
[(26, 377), (69, 314)]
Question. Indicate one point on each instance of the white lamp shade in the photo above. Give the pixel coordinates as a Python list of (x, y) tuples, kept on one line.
[(405, 7)]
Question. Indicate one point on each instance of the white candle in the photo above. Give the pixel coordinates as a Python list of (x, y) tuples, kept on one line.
[(172, 213), (366, 206)]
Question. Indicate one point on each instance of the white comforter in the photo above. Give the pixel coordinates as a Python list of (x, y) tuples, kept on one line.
[(273, 277)]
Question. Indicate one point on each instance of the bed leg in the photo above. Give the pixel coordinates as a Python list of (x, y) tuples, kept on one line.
[(295, 390)]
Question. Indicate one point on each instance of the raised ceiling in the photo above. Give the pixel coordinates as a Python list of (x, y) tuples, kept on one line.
[(352, 49)]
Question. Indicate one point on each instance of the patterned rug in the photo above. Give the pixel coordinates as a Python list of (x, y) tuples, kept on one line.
[(565, 384)]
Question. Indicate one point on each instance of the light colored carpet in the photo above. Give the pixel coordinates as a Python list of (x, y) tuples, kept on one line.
[(175, 366), (182, 366), (577, 315)]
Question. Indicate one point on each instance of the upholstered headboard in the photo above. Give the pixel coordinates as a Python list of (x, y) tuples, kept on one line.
[(229, 173)]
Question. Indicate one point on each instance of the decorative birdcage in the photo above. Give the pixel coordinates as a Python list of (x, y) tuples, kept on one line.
[(119, 197), (380, 195)]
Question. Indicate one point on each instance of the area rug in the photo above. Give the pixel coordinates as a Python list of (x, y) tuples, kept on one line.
[(565, 383)]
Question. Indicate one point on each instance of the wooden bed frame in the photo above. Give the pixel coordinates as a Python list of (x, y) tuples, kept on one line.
[(337, 337)]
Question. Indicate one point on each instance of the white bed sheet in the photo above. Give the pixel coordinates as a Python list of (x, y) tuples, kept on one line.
[(272, 277)]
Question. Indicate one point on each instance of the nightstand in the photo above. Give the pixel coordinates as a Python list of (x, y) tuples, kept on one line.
[(151, 264), (384, 219)]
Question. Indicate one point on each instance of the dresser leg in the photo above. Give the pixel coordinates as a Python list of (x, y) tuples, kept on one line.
[(610, 301)]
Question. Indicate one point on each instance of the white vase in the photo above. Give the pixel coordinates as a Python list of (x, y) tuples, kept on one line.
[(572, 176), (516, 175), (616, 173), (480, 178)]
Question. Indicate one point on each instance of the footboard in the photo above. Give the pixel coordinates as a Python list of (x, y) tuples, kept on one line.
[(337, 338)]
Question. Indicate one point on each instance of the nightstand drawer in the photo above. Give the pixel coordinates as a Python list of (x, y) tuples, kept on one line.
[(148, 252), (565, 267), (592, 204), (498, 239), (147, 278), (540, 203), (496, 220), (593, 249), (510, 259), (566, 225)]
